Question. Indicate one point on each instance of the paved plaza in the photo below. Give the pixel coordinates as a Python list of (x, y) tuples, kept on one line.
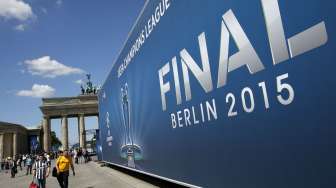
[(90, 175)]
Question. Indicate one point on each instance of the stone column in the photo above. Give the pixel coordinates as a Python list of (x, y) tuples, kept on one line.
[(46, 134), (81, 135), (49, 133), (14, 144), (78, 122), (2, 145), (65, 142)]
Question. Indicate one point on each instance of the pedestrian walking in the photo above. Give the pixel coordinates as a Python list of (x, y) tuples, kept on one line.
[(7, 164), (47, 156), (84, 155), (63, 164), (13, 166), (24, 157), (2, 161), (29, 163), (41, 170), (80, 155), (19, 162), (76, 155)]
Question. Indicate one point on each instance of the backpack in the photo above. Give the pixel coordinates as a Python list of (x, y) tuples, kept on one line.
[(54, 172)]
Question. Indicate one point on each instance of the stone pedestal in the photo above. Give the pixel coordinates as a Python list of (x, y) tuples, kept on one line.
[(65, 133)]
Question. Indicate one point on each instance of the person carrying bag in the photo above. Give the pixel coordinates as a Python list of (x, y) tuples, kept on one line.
[(63, 165), (33, 184), (54, 172), (41, 171)]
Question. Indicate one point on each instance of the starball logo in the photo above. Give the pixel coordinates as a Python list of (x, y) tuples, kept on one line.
[(282, 48)]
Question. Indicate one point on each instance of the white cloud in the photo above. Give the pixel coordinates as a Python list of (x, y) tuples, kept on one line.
[(50, 68), (59, 2), (80, 81), (37, 91), (44, 10), (15, 9), (20, 27)]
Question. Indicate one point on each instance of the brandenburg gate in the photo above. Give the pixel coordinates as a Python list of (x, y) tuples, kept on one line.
[(64, 108)]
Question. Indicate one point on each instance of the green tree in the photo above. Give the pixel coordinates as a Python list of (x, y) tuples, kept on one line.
[(93, 142), (55, 142)]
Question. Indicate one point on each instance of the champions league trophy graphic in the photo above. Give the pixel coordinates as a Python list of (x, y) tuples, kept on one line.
[(109, 138), (129, 150)]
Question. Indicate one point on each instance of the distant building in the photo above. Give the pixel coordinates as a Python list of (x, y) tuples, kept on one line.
[(17, 139)]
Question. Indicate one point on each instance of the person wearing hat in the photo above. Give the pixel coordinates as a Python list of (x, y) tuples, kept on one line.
[(63, 164)]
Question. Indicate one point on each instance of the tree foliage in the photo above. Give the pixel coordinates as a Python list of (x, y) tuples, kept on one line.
[(93, 141), (55, 142)]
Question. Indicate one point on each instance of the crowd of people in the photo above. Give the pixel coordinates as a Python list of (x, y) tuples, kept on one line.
[(39, 165), (80, 155), (26, 161)]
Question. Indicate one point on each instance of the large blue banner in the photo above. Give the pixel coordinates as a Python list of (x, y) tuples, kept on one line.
[(34, 144), (225, 93)]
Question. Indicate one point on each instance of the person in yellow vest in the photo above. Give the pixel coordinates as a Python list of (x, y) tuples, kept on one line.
[(63, 164)]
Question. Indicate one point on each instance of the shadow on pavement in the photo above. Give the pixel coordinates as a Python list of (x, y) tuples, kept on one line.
[(152, 180)]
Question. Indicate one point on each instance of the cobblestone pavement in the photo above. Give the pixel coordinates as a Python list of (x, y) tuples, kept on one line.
[(89, 175)]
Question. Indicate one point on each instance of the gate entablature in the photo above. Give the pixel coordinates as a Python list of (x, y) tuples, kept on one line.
[(64, 108)]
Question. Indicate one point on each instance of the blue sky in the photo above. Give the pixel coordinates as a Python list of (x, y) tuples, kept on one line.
[(48, 45)]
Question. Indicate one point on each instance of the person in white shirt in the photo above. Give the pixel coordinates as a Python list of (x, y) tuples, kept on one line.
[(47, 156), (76, 156), (24, 157)]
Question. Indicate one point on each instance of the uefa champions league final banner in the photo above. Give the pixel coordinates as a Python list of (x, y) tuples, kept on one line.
[(225, 93)]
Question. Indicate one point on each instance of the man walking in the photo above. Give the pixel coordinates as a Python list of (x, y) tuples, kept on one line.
[(2, 162), (13, 165), (41, 171), (29, 163), (80, 155), (63, 164), (47, 156), (19, 162), (76, 155), (24, 157)]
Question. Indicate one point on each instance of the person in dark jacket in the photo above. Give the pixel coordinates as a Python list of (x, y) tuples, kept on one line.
[(13, 164)]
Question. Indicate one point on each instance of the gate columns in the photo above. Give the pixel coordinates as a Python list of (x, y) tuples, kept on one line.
[(82, 134), (46, 134), (65, 132), (64, 108)]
